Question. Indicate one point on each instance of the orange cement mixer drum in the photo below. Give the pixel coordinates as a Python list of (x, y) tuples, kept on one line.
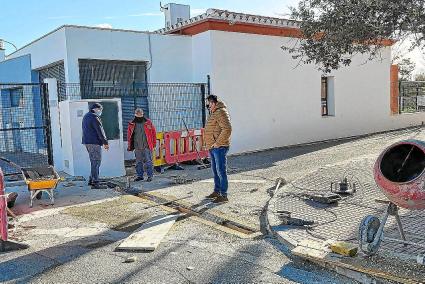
[(399, 173)]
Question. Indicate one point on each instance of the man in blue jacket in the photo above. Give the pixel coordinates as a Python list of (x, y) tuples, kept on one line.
[(93, 138)]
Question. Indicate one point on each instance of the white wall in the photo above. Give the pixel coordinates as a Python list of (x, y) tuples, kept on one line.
[(201, 57), (47, 50), (274, 104), (171, 55)]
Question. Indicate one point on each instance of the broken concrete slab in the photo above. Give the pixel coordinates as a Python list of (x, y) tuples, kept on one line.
[(150, 234)]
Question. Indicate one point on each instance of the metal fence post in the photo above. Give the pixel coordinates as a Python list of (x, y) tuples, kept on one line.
[(3, 214), (204, 115), (47, 126), (416, 99), (208, 85), (53, 97)]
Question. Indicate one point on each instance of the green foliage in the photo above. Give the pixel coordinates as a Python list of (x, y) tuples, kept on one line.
[(405, 69), (336, 30), (420, 77)]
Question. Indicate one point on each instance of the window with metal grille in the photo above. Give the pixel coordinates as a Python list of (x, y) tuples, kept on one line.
[(327, 96), (324, 96), (16, 97), (103, 79), (55, 70)]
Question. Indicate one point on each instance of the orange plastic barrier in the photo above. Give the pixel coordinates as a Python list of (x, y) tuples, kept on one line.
[(183, 146)]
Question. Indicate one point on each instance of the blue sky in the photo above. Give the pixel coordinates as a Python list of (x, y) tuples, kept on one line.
[(22, 21)]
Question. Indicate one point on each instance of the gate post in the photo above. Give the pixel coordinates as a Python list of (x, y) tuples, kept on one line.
[(203, 98), (3, 214), (53, 126)]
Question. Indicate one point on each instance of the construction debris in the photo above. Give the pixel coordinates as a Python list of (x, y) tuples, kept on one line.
[(150, 234), (286, 219), (182, 180), (325, 198), (344, 248), (131, 259)]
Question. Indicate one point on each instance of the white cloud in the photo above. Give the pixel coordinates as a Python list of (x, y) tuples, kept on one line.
[(149, 14), (104, 26)]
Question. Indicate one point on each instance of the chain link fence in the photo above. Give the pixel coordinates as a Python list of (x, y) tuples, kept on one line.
[(170, 106)]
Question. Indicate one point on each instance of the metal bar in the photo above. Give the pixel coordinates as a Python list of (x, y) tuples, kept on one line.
[(204, 114), (19, 84), (400, 226), (209, 84), (48, 130), (23, 128)]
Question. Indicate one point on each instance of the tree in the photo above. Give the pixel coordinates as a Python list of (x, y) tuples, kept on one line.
[(336, 30), (405, 69), (420, 77)]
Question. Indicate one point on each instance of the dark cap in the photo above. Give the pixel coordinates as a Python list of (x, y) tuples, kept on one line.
[(95, 105)]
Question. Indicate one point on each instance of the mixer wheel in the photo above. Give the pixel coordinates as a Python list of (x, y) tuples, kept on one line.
[(367, 234)]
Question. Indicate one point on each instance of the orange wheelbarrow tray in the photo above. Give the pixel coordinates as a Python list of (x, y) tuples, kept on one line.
[(41, 179)]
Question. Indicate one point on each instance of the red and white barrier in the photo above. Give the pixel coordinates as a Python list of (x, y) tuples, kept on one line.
[(182, 146)]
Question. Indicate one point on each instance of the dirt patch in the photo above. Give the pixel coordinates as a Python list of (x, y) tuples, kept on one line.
[(122, 214)]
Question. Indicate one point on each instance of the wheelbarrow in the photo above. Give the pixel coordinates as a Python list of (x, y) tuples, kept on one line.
[(38, 180)]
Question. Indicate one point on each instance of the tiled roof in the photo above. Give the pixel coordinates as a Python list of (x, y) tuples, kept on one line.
[(232, 18)]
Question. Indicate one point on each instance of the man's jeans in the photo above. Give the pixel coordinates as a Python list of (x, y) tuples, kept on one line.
[(219, 165), (144, 158), (95, 156)]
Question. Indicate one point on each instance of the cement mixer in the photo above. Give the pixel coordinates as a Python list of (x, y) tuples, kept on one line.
[(399, 173)]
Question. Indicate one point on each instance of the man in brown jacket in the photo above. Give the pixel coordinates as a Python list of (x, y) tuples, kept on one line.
[(217, 140)]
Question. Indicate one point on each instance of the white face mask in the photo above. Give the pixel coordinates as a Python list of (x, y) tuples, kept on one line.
[(98, 112)]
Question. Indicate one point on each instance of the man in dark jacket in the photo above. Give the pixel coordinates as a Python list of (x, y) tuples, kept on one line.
[(141, 137), (93, 138)]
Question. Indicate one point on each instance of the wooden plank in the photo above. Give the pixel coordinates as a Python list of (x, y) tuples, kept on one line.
[(150, 234)]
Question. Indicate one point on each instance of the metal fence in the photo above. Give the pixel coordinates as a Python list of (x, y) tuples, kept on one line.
[(412, 96), (412, 104), (412, 88), (169, 105), (25, 136)]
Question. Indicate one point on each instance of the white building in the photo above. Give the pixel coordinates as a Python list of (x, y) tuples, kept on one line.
[(272, 102)]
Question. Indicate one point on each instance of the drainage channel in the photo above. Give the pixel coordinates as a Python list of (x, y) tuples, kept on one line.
[(189, 211)]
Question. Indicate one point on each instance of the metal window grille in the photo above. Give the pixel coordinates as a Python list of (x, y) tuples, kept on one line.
[(411, 96), (55, 70), (324, 96)]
